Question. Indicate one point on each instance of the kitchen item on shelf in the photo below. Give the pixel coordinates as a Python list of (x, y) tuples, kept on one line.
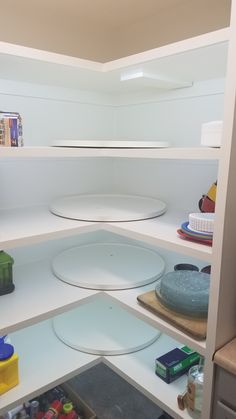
[(195, 386), (202, 221), (185, 267), (10, 129), (107, 207), (6, 280), (195, 239), (197, 236), (211, 134), (186, 292), (101, 266), (103, 327), (194, 233), (173, 364), (9, 376), (191, 326), (207, 202), (110, 144), (206, 269)]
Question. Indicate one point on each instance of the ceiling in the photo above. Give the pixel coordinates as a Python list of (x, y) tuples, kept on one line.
[(104, 30), (109, 13)]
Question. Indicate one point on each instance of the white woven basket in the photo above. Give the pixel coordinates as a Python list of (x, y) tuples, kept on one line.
[(202, 222)]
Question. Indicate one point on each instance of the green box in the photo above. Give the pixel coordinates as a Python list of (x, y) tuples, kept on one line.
[(175, 363)]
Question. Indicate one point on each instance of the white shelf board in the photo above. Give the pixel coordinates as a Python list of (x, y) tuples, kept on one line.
[(38, 296), (197, 153), (32, 302), (27, 225), (23, 226), (44, 362), (162, 231), (139, 370), (128, 299), (198, 58)]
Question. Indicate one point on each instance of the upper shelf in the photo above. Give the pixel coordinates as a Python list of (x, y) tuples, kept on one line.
[(197, 153), (169, 67), (25, 226)]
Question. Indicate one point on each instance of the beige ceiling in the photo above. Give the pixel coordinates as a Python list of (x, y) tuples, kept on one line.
[(102, 30), (109, 13)]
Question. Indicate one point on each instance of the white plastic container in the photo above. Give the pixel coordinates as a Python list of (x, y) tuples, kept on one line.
[(211, 135)]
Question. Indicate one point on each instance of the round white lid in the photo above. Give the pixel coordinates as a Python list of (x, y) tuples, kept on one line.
[(107, 207), (110, 144), (108, 266), (104, 328)]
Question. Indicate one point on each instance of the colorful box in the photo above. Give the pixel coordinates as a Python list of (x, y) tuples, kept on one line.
[(175, 363), (11, 133)]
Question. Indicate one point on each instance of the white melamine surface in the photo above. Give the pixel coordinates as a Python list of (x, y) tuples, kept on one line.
[(102, 327), (21, 226), (180, 63), (107, 207), (162, 231), (180, 153), (128, 300), (110, 144), (44, 362), (107, 266), (35, 283), (38, 295), (139, 370)]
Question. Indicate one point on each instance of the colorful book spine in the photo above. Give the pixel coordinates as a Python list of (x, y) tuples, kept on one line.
[(10, 129)]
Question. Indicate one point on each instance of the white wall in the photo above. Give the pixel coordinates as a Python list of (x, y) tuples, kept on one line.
[(175, 117)]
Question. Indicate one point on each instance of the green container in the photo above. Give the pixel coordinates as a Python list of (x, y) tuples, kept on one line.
[(6, 281)]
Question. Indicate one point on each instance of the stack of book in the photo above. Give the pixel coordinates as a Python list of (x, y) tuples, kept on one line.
[(10, 129)]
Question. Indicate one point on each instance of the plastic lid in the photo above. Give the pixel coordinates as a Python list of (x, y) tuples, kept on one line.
[(6, 351)]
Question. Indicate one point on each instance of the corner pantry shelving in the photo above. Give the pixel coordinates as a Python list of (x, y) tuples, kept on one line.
[(24, 226), (56, 88)]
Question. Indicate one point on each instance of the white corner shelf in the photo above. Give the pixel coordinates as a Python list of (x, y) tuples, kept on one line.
[(162, 232), (46, 362), (139, 370), (128, 299), (24, 226), (185, 61), (28, 225), (181, 153), (39, 295)]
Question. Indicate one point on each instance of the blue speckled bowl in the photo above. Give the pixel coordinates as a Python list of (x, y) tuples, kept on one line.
[(185, 292)]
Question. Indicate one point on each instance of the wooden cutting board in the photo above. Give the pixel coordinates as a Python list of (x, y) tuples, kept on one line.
[(194, 327)]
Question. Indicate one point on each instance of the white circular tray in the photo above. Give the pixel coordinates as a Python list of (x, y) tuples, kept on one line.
[(108, 266), (110, 144), (107, 207), (104, 328)]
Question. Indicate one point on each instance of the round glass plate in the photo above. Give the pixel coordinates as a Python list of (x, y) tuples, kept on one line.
[(102, 327), (107, 207), (185, 292), (110, 144), (108, 266)]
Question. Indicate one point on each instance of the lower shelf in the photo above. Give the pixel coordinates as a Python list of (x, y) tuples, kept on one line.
[(45, 362)]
